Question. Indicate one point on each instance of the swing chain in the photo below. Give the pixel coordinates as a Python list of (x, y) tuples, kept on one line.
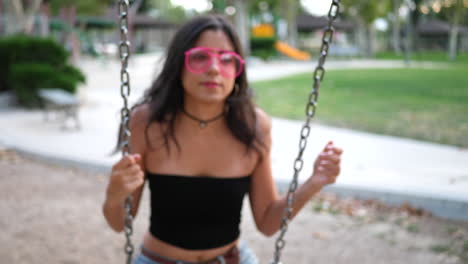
[(305, 131), (124, 52)]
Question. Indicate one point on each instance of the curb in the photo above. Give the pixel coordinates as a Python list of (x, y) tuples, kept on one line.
[(439, 206)]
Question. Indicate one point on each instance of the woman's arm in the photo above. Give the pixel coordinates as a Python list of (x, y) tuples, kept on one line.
[(127, 176), (267, 206)]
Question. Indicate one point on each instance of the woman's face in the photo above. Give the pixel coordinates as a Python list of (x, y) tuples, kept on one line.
[(213, 83)]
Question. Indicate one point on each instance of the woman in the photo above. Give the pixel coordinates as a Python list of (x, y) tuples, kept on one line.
[(202, 145)]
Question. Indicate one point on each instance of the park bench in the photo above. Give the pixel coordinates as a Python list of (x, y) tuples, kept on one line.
[(344, 51), (63, 103)]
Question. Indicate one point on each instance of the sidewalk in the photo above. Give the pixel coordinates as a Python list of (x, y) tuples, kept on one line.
[(431, 176)]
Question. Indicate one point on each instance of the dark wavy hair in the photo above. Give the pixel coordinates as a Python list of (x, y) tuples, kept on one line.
[(165, 97)]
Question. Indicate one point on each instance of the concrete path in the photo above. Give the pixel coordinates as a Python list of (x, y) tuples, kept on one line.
[(431, 176)]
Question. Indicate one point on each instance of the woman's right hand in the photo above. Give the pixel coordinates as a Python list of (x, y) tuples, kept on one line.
[(126, 177)]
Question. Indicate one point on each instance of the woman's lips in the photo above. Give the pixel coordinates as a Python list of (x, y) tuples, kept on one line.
[(210, 84)]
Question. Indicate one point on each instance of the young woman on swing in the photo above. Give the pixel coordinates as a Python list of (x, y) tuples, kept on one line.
[(201, 144)]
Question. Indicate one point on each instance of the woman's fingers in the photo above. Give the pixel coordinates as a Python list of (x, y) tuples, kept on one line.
[(126, 176), (127, 161), (135, 182), (133, 174), (327, 165), (330, 158)]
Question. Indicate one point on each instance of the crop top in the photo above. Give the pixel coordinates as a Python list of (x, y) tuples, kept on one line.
[(196, 212)]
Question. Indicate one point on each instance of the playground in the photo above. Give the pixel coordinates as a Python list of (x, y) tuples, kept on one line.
[(58, 217), (401, 195)]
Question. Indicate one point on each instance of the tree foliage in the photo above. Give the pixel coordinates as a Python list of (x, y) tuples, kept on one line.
[(84, 7), (366, 10)]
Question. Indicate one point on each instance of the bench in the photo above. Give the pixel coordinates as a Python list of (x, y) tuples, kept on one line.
[(61, 102), (345, 51)]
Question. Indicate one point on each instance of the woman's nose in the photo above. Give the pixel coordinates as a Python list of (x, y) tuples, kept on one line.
[(215, 65)]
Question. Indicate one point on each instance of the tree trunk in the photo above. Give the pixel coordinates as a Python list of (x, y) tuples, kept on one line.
[(74, 40), (131, 18), (361, 37), (242, 24), (371, 40), (291, 15), (396, 40), (453, 42), (408, 35), (454, 29), (21, 19), (2, 19), (45, 18)]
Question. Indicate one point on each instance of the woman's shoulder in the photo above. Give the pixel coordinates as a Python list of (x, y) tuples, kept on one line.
[(263, 120), (139, 118), (140, 113), (141, 123)]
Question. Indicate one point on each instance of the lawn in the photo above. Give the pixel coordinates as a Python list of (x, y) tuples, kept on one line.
[(425, 104), (435, 56)]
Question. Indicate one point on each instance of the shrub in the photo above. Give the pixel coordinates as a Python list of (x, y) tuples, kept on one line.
[(262, 43), (24, 49), (264, 54), (29, 63), (28, 78), (263, 47)]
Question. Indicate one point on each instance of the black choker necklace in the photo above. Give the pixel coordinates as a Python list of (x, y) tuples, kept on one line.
[(203, 123)]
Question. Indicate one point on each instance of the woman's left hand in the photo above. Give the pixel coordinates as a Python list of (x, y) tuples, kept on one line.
[(327, 166)]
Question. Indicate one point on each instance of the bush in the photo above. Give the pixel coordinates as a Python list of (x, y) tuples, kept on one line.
[(28, 78), (264, 54), (262, 43), (263, 47), (24, 49), (29, 63)]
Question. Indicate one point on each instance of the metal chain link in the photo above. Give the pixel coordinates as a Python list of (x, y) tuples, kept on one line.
[(124, 52), (305, 131)]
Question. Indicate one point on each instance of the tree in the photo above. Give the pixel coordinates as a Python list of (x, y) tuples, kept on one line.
[(364, 13), (218, 5), (460, 13), (456, 13), (289, 10), (165, 10), (83, 7), (285, 9), (242, 24), (396, 40), (22, 14)]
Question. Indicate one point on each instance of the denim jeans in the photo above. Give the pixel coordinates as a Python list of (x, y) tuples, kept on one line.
[(246, 255)]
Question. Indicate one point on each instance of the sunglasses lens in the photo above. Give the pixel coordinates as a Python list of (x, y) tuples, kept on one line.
[(230, 64), (200, 60)]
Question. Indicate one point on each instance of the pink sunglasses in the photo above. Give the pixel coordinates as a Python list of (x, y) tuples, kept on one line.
[(200, 59)]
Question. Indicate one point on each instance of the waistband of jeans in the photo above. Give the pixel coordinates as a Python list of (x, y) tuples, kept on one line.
[(230, 257)]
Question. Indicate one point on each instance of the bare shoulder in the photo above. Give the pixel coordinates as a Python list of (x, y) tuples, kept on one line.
[(264, 121), (264, 130), (145, 131), (140, 116), (138, 123)]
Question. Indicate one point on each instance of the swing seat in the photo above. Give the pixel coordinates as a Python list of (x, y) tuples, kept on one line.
[(65, 105)]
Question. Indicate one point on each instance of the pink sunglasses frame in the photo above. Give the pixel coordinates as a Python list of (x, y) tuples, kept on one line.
[(212, 52)]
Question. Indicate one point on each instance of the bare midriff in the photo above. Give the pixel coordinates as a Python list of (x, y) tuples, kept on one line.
[(169, 251)]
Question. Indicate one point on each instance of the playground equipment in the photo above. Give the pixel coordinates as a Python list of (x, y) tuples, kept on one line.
[(291, 52), (318, 75)]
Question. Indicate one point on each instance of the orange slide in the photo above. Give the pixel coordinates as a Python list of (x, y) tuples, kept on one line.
[(291, 51)]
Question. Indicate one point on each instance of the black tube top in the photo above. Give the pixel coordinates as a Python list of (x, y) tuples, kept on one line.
[(196, 212)]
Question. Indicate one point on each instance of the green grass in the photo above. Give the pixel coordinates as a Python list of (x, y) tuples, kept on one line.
[(425, 104), (435, 56)]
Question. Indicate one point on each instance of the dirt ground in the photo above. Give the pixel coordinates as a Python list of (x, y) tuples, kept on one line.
[(52, 214)]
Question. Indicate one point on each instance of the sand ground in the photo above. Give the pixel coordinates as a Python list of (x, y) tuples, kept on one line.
[(52, 214)]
